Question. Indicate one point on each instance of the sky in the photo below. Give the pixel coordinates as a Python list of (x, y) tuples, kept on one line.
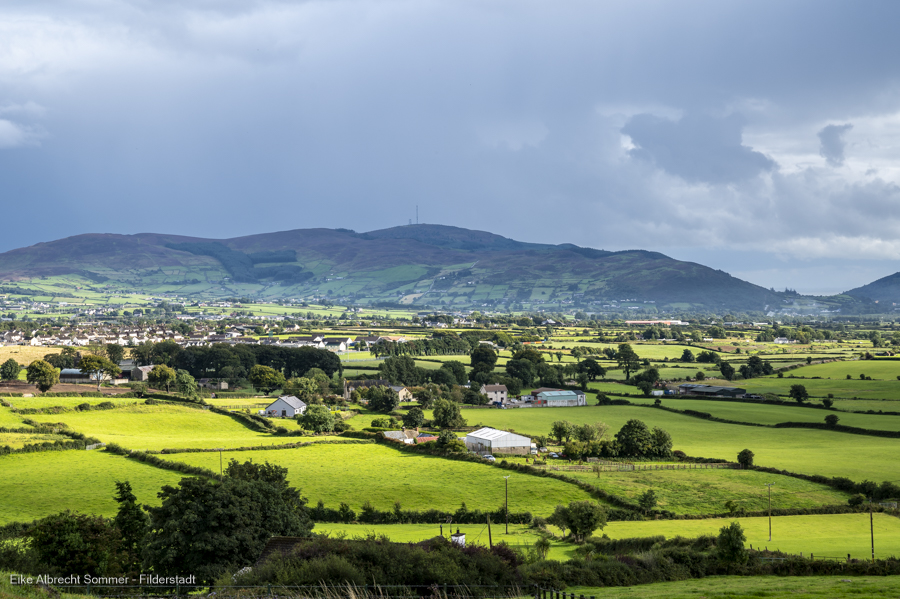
[(761, 138)]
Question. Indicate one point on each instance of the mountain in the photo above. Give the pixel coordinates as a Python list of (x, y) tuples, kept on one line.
[(885, 289), (424, 265)]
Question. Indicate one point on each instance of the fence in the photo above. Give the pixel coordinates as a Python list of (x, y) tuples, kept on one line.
[(629, 467), (94, 446)]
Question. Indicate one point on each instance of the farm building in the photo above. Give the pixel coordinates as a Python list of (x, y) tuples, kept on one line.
[(140, 373), (557, 398), (495, 392), (286, 406), (213, 384), (491, 440), (711, 390)]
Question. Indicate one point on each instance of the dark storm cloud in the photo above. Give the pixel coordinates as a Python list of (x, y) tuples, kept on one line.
[(832, 143), (228, 118), (696, 148)]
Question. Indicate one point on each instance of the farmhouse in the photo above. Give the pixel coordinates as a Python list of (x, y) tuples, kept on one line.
[(491, 440), (495, 392), (711, 390), (286, 406)]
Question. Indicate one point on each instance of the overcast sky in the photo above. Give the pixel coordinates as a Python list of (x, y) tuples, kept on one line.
[(761, 138)]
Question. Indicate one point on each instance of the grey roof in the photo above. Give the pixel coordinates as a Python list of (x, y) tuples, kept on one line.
[(494, 388), (556, 393), (293, 401), (489, 433)]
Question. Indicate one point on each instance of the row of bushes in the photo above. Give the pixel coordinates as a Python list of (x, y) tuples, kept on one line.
[(148, 458), (792, 403), (45, 446), (887, 490), (853, 430), (84, 407), (263, 447), (369, 515)]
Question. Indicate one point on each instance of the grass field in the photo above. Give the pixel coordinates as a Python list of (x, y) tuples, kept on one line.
[(706, 491), (9, 419), (356, 473), (39, 484), (160, 427), (66, 402), (818, 387), (520, 535), (799, 450), (18, 440), (773, 414), (756, 587), (827, 536), (877, 369)]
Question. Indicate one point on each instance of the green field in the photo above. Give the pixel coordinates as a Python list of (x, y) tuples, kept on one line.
[(520, 535), (773, 414), (39, 484), (706, 491), (877, 369), (382, 475), (18, 440), (798, 450), (161, 426), (818, 387), (10, 419), (756, 587), (826, 536), (65, 402)]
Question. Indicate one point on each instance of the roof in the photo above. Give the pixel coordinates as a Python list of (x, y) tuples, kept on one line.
[(291, 401), (546, 394), (542, 389), (489, 433), (495, 388)]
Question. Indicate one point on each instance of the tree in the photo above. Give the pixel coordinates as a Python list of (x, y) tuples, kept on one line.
[(727, 370), (186, 385), (114, 352), (561, 430), (522, 369), (592, 368), (483, 359), (591, 432), (627, 359), (161, 376), (687, 356), (731, 544), (10, 369), (71, 542), (266, 379), (827, 402), (205, 527), (414, 418), (458, 370), (301, 387), (99, 368), (132, 524), (647, 500), (831, 420), (446, 414), (42, 375), (745, 458), (383, 399), (585, 517), (645, 387), (474, 398), (662, 442), (317, 419), (635, 439), (798, 393), (700, 375)]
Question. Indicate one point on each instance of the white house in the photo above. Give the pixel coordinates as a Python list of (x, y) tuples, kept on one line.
[(286, 406), (495, 392), (491, 440)]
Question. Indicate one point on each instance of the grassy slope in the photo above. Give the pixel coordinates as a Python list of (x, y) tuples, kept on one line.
[(66, 402), (757, 587), (161, 426), (806, 451), (10, 419), (832, 536), (38, 484), (17, 440), (356, 473)]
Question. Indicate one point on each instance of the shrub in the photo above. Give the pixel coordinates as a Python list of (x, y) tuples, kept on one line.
[(831, 420), (745, 458), (731, 544)]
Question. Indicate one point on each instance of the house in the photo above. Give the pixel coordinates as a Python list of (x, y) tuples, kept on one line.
[(490, 440), (140, 373), (215, 386), (407, 436), (351, 386), (286, 406), (558, 398), (495, 392), (404, 393)]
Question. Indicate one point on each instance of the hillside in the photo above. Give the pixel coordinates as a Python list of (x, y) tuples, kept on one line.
[(426, 265), (885, 289)]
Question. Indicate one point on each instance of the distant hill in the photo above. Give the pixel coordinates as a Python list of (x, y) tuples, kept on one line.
[(427, 265), (885, 289)]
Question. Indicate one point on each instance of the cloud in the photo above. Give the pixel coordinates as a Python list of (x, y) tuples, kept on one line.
[(832, 143), (696, 148), (13, 135)]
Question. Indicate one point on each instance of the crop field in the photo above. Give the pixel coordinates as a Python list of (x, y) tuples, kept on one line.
[(756, 587), (807, 451), (160, 427), (773, 414), (39, 484), (24, 354), (520, 535), (833, 535), (706, 491), (356, 473)]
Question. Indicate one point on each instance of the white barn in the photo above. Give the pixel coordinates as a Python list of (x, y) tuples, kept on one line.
[(286, 406), (491, 440)]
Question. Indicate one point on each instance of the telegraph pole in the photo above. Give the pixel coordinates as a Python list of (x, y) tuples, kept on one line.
[(507, 503), (872, 529), (769, 485)]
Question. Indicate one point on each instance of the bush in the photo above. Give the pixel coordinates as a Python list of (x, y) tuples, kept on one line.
[(731, 544), (745, 458), (831, 420)]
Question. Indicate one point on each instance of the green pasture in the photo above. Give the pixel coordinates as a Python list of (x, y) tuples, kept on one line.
[(382, 475), (10, 419), (39, 484), (807, 451), (833, 535), (706, 491), (18, 440), (520, 535), (773, 413), (754, 587), (157, 427), (41, 402), (842, 388), (862, 405), (877, 369)]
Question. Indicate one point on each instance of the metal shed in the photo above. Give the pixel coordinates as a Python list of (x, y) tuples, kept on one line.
[(491, 440)]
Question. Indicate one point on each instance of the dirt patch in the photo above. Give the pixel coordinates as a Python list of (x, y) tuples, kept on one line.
[(23, 387)]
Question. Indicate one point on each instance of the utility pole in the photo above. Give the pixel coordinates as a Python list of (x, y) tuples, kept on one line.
[(770, 509), (872, 530), (507, 503)]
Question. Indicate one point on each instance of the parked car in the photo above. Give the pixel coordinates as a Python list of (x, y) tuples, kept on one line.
[(553, 454), (543, 450), (489, 458)]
